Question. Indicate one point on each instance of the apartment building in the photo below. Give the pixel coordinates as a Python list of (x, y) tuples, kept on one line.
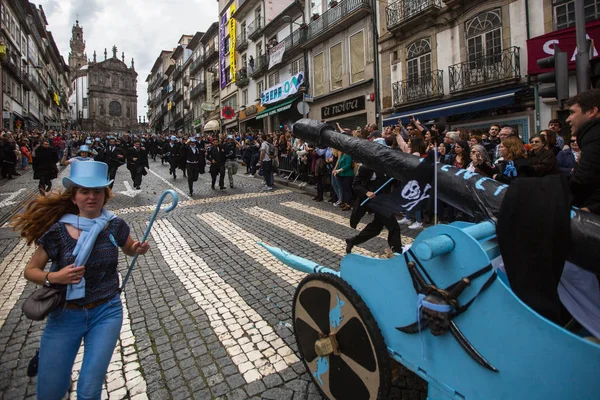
[(178, 108), (158, 92), (466, 62)]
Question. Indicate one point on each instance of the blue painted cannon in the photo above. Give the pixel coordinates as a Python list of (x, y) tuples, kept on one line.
[(440, 309)]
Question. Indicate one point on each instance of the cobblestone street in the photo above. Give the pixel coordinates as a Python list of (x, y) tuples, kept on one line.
[(208, 311)]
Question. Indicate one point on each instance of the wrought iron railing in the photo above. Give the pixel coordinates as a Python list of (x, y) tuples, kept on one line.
[(186, 80), (255, 27), (242, 78), (177, 95), (197, 90), (195, 65), (423, 87), (177, 72), (489, 68), (211, 52), (402, 10), (331, 17), (260, 65), (241, 42), (293, 41)]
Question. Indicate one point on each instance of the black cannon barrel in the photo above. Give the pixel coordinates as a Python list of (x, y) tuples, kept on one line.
[(473, 194)]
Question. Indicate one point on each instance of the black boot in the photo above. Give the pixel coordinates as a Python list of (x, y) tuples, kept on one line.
[(349, 246)]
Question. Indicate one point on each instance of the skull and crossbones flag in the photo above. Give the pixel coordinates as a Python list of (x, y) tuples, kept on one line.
[(413, 195)]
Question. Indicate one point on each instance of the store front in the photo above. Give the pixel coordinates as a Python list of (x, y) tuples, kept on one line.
[(281, 102), (248, 121), (348, 107)]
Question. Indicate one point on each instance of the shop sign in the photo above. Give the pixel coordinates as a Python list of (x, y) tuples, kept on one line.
[(343, 107), (222, 47), (197, 122), (282, 90), (250, 111), (208, 107), (565, 39), (232, 39)]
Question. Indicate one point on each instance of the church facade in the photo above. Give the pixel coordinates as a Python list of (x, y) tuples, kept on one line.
[(104, 92)]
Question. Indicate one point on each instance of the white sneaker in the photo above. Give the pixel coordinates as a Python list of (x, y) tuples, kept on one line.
[(404, 221), (337, 203), (416, 225), (268, 188)]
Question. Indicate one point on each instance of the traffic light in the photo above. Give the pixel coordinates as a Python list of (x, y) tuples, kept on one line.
[(595, 73), (559, 77)]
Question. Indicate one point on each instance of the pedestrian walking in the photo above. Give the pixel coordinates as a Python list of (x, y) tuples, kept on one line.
[(137, 162), (190, 161), (267, 154), (44, 166), (9, 157), (81, 238), (231, 163), (173, 152)]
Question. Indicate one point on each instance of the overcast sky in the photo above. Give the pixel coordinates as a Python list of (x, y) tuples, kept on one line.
[(139, 28)]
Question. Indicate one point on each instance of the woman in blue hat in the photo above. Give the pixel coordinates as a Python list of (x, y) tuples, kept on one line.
[(82, 239), (83, 154)]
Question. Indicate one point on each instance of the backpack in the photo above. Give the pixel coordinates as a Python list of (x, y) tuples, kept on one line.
[(271, 150)]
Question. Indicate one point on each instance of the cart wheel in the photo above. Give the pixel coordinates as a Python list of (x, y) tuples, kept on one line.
[(339, 340)]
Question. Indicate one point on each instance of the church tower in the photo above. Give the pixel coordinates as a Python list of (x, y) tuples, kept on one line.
[(77, 56)]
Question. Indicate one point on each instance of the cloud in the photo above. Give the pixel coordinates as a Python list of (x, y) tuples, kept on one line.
[(141, 29)]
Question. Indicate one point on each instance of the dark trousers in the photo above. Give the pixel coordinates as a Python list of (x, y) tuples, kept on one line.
[(267, 167), (112, 173), (136, 176), (346, 186), (375, 227), (173, 170), (218, 170), (320, 185), (45, 183), (193, 170)]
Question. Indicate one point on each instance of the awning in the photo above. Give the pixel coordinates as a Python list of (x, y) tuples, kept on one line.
[(212, 125), (276, 109), (492, 100)]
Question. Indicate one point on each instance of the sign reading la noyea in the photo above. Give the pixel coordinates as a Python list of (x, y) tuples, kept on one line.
[(282, 90), (343, 107)]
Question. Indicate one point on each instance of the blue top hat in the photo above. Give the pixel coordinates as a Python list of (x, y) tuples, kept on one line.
[(173, 138), (193, 139), (89, 174), (83, 148)]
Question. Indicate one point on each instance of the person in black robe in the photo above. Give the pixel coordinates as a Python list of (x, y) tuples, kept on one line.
[(173, 153), (44, 166), (216, 156), (113, 156), (137, 161), (191, 155)]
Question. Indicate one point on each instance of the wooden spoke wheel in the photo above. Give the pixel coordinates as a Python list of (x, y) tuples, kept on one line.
[(339, 340)]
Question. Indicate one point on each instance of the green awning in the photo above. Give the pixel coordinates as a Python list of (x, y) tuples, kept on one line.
[(275, 109)]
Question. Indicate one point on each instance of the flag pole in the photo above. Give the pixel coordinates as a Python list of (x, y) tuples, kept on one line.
[(435, 186), (377, 191)]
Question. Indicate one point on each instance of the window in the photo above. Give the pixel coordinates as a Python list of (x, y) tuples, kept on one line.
[(85, 102), (484, 39), (259, 48), (260, 87), (395, 55), (232, 102), (418, 63), (316, 6), (274, 79), (114, 109), (257, 17), (244, 61), (297, 66), (564, 12), (335, 66), (245, 97), (357, 57), (318, 75)]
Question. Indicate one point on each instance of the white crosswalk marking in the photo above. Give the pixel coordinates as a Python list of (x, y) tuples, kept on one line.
[(208, 200), (329, 242), (336, 218), (251, 342), (12, 281), (248, 243)]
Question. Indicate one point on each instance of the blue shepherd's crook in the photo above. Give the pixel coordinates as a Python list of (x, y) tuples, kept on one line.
[(377, 191), (168, 209)]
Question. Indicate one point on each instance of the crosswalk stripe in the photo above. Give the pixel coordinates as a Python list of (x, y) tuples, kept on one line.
[(208, 200), (12, 282), (336, 218), (123, 378), (251, 342), (181, 192), (248, 243), (329, 242)]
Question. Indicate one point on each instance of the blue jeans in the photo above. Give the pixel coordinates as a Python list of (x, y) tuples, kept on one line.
[(99, 327), (418, 213), (335, 184)]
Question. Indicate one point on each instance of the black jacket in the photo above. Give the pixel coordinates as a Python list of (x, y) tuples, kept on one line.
[(543, 162), (188, 155), (361, 184), (111, 156), (141, 156), (521, 166), (44, 163), (585, 181)]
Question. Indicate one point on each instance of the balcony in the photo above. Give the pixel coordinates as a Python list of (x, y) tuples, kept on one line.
[(426, 87), (405, 15), (255, 28), (485, 70), (241, 42), (293, 43), (186, 80), (199, 89), (177, 95), (196, 64), (241, 78), (10, 64), (27, 82), (156, 81), (211, 53), (186, 104), (336, 19), (260, 66), (176, 116), (178, 71)]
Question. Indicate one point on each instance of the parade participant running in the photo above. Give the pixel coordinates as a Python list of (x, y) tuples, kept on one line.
[(93, 311), (173, 152), (137, 161), (44, 166), (82, 155), (216, 156), (114, 156)]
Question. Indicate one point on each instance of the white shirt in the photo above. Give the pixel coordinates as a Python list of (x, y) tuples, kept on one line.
[(265, 147)]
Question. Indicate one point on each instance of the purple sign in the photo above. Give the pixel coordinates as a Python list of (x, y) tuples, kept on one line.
[(222, 56)]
